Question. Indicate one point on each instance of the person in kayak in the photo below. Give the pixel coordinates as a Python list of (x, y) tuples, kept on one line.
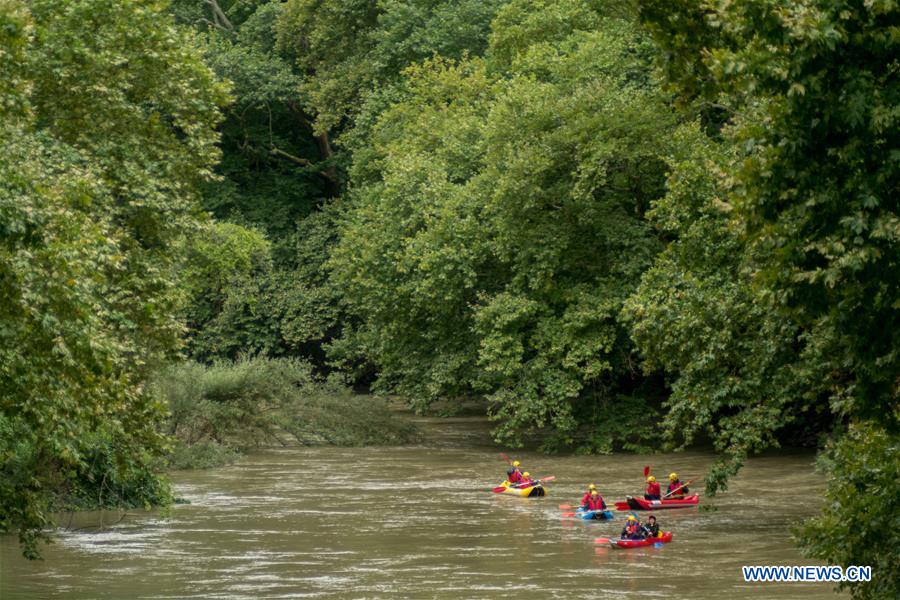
[(513, 474), (653, 491), (651, 527), (526, 480), (587, 494), (674, 484), (633, 529), (594, 502)]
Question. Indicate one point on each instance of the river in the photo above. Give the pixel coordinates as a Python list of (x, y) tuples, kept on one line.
[(420, 522)]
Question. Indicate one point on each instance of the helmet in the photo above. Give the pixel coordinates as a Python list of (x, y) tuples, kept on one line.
[(592, 487), (673, 476), (651, 479), (515, 463), (526, 474), (631, 518), (594, 493)]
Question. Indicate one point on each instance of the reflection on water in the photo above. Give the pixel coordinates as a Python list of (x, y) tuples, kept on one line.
[(421, 522)]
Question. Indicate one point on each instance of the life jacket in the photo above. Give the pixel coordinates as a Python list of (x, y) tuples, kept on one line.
[(595, 503), (514, 476), (525, 481), (585, 498), (653, 488), (653, 529), (632, 529), (674, 486)]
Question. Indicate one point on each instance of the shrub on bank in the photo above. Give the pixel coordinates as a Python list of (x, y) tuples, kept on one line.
[(220, 410)]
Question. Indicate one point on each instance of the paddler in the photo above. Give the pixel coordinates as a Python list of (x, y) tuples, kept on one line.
[(513, 474), (587, 494), (526, 480), (633, 529), (674, 484), (653, 491), (651, 527), (594, 502)]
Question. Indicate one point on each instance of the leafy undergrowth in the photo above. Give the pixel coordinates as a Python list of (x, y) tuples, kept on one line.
[(221, 410)]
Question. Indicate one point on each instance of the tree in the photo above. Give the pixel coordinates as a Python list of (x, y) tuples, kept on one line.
[(348, 49), (809, 90), (109, 130), (496, 226)]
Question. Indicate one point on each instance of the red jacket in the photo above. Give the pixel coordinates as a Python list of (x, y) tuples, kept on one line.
[(674, 486), (595, 503), (525, 481), (515, 476), (585, 498), (653, 489), (632, 529)]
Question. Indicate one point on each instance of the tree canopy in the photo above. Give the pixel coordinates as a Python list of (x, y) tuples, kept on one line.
[(109, 128)]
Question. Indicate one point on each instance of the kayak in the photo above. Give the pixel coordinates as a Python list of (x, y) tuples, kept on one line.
[(641, 504), (665, 538), (599, 515), (532, 491)]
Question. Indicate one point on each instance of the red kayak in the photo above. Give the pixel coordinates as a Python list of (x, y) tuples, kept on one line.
[(665, 539), (641, 504)]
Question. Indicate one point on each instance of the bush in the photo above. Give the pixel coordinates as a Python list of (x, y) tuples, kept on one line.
[(220, 410)]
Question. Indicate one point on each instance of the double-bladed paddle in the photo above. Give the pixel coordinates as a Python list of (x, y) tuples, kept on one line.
[(683, 485)]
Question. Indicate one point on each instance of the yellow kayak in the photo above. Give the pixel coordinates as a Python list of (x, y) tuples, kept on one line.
[(532, 491)]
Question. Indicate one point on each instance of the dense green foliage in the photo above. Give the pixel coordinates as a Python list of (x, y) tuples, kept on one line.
[(799, 320), (99, 171), (495, 226), (220, 410)]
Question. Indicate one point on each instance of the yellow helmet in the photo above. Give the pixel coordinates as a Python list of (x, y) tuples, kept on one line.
[(631, 518), (594, 493), (592, 487), (673, 476), (515, 463), (651, 479), (526, 474)]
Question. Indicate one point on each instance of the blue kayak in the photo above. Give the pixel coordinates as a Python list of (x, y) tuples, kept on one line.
[(602, 515)]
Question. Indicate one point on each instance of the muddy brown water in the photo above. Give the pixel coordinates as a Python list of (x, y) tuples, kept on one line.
[(421, 522)]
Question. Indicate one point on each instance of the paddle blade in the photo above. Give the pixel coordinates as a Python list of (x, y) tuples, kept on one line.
[(499, 489), (646, 471), (602, 541), (506, 458), (566, 507), (658, 545), (549, 478), (568, 514)]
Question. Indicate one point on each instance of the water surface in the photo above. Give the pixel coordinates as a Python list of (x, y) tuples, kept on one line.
[(421, 522)]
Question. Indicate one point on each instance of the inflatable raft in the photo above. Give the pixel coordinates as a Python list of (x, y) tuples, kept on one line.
[(664, 538), (532, 491), (641, 504)]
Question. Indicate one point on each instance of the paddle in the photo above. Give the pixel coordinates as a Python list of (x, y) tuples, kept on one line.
[(603, 541), (506, 458), (646, 471), (683, 485), (536, 481)]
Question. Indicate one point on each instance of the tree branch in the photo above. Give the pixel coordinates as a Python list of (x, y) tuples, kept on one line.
[(219, 15), (295, 159)]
